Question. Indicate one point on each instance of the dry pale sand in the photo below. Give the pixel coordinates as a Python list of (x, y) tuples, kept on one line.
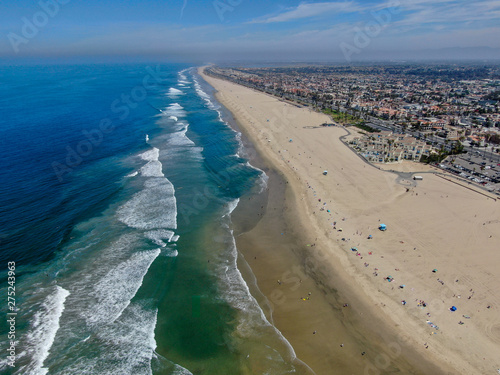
[(432, 224)]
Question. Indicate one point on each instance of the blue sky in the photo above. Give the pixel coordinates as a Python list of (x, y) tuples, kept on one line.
[(216, 30)]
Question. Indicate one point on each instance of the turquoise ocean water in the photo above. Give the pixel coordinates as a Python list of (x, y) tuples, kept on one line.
[(116, 193)]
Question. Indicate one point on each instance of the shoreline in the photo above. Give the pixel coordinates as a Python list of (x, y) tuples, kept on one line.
[(333, 319), (364, 326)]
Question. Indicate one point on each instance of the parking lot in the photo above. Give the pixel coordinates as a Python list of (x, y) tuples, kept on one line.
[(476, 168)]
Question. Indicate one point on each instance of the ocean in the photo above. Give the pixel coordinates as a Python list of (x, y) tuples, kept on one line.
[(118, 182)]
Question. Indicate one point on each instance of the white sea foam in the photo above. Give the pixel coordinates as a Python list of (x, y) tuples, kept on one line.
[(239, 296), (116, 289), (154, 207), (175, 106), (205, 96), (175, 109), (262, 181), (178, 138), (231, 206), (153, 168), (150, 155), (173, 118), (174, 93), (133, 174), (100, 294), (125, 346), (236, 290), (252, 321), (160, 236), (200, 91), (182, 76), (42, 332), (263, 177), (132, 340)]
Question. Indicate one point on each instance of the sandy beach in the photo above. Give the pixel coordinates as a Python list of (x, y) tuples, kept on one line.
[(350, 304)]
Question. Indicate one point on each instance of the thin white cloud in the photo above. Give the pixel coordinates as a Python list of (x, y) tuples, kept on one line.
[(308, 10), (449, 19), (447, 12), (183, 7)]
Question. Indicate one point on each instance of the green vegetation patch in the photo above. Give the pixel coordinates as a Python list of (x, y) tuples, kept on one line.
[(367, 128), (341, 117)]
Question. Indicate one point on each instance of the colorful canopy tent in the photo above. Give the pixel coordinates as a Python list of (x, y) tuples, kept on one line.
[(382, 227), (453, 308)]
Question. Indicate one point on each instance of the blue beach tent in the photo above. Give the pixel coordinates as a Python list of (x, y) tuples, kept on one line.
[(382, 227)]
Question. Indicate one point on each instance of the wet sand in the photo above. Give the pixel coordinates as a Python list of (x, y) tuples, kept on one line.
[(421, 218)]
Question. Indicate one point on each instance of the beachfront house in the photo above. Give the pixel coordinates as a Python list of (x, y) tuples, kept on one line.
[(388, 147)]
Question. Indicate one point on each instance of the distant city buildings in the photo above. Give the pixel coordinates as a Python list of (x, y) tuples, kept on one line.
[(449, 101), (427, 111)]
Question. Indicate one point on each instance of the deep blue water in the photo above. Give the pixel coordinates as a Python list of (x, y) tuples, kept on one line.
[(116, 189), (43, 112)]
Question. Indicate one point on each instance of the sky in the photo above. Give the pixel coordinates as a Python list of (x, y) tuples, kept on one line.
[(249, 30)]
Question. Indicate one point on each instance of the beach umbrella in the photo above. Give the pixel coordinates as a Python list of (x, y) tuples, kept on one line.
[(453, 308), (370, 237), (434, 270), (354, 249), (382, 227)]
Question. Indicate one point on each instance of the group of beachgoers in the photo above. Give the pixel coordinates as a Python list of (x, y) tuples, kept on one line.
[(322, 206)]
